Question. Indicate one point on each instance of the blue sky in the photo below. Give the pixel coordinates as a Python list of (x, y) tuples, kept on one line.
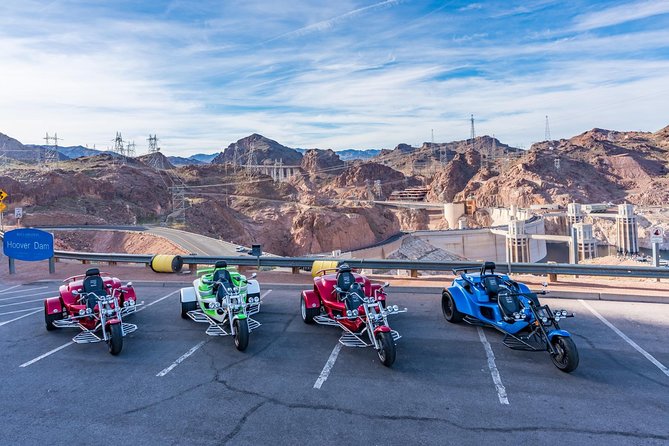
[(345, 74)]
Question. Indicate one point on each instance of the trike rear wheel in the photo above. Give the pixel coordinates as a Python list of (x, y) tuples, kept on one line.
[(307, 313), (449, 308)]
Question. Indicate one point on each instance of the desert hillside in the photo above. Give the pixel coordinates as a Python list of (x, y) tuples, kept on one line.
[(327, 202)]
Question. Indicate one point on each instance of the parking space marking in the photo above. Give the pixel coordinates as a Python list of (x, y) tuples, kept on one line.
[(22, 297), (496, 378), (50, 352), (636, 346), (21, 303), (328, 366), (21, 311), (181, 358), (22, 291), (20, 317), (156, 301), (39, 358), (11, 288)]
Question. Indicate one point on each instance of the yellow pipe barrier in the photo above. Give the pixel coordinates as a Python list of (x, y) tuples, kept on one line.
[(320, 265), (166, 263)]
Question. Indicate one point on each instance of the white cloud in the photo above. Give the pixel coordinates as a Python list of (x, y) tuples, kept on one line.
[(621, 14)]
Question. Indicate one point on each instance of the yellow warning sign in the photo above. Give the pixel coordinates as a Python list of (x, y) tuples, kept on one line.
[(3, 206), (3, 195)]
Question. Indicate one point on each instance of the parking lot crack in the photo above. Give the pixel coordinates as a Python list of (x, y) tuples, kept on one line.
[(242, 422)]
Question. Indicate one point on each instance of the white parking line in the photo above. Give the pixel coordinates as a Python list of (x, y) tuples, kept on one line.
[(21, 303), (636, 346), (144, 307), (328, 367), (10, 288), (50, 352), (501, 391), (22, 291), (20, 311), (20, 317), (32, 361), (181, 358), (23, 297)]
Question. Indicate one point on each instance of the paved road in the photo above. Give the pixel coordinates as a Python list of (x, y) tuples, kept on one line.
[(440, 390), (196, 243)]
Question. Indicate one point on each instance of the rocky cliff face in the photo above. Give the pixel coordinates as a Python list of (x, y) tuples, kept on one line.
[(322, 161), (327, 209)]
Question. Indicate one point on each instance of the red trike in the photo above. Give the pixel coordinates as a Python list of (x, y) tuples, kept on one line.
[(96, 304), (350, 301)]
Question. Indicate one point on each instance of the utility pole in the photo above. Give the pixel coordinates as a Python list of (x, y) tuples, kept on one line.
[(547, 133), (130, 149)]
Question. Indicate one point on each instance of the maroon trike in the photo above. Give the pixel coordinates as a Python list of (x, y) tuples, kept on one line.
[(95, 303)]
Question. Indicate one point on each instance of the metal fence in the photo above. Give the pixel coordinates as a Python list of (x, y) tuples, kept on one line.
[(385, 264)]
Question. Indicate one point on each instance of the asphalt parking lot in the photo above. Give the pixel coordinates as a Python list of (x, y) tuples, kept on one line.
[(172, 384)]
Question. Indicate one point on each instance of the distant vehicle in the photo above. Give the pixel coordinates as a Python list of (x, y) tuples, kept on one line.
[(351, 302), (489, 299), (96, 304), (240, 249)]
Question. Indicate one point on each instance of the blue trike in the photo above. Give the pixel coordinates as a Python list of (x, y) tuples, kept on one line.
[(487, 298)]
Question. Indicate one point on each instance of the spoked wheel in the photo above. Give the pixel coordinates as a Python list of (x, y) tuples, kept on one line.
[(241, 334), (387, 351), (186, 307), (566, 358), (115, 339), (308, 314), (450, 310)]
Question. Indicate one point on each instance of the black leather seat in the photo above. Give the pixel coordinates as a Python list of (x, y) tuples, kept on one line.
[(93, 284), (491, 284)]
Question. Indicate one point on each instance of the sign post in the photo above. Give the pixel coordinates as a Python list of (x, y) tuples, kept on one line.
[(29, 245), (3, 206), (656, 237)]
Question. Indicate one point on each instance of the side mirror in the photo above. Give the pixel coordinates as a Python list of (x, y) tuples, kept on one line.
[(544, 284), (385, 285), (109, 285), (129, 284), (253, 276), (75, 292)]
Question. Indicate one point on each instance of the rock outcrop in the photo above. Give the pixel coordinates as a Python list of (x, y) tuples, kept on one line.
[(261, 148)]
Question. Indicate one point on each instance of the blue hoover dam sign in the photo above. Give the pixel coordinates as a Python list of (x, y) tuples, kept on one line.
[(28, 244)]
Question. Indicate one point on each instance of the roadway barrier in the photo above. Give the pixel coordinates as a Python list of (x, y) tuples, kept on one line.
[(550, 269), (166, 263)]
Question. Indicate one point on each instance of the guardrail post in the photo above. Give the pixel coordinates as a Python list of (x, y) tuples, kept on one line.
[(192, 268), (296, 270), (52, 265), (552, 277), (12, 266), (414, 273)]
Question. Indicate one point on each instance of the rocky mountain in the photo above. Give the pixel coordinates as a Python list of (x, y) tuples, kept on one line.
[(70, 151), (261, 148), (182, 161), (427, 158), (354, 154), (203, 157), (327, 205), (12, 148), (596, 166)]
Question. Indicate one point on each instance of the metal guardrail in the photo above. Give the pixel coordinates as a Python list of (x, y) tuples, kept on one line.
[(385, 264)]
